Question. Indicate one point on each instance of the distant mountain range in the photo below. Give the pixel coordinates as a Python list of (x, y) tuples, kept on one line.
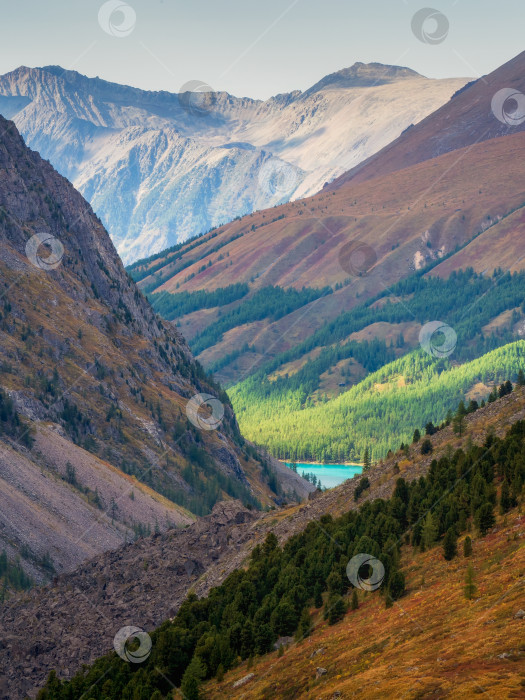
[(360, 257), (159, 167)]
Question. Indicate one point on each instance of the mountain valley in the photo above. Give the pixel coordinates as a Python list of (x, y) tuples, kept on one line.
[(208, 301)]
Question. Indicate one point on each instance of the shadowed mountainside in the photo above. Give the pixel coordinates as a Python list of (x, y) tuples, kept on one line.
[(96, 446)]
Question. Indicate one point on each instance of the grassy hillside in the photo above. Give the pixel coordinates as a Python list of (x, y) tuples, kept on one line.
[(379, 412), (440, 525), (431, 643)]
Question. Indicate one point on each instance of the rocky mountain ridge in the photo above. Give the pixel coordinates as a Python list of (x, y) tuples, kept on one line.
[(96, 443), (158, 167)]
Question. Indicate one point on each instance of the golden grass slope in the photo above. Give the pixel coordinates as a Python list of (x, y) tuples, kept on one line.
[(431, 643)]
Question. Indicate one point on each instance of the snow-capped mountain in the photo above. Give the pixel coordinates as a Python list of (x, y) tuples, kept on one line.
[(159, 167)]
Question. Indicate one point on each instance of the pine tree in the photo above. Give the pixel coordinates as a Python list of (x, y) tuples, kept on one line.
[(521, 378), (247, 640), (430, 531), (417, 435), (470, 587), (318, 595), (366, 460), (305, 625), (450, 548), (458, 422), (485, 518), (426, 447), (355, 600), (505, 500), (396, 586), (336, 609), (467, 546), (191, 680), (264, 638)]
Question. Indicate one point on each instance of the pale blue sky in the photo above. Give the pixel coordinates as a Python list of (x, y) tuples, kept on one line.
[(255, 48)]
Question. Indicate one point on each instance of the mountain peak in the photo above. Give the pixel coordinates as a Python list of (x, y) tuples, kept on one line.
[(364, 75)]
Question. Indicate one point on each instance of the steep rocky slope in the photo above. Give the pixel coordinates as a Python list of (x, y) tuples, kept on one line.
[(97, 445), (69, 622), (158, 168)]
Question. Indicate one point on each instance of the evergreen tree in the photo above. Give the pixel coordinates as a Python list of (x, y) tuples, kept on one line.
[(450, 548), (396, 585), (318, 595), (521, 378), (470, 587), (336, 609), (264, 637), (247, 641), (485, 518), (458, 422), (505, 500), (192, 678), (366, 460), (430, 531), (355, 600), (417, 435), (305, 625), (426, 447), (467, 546)]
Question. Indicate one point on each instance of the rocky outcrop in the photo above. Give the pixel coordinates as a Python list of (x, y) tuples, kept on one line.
[(75, 619)]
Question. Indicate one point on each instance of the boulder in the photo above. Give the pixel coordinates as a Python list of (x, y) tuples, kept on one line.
[(243, 681)]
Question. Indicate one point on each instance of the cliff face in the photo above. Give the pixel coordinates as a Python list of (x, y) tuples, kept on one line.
[(100, 446), (159, 168)]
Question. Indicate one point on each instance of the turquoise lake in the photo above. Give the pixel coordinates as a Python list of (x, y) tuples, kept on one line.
[(330, 474)]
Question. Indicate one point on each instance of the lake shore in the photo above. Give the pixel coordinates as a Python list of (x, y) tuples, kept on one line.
[(328, 475), (287, 463)]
